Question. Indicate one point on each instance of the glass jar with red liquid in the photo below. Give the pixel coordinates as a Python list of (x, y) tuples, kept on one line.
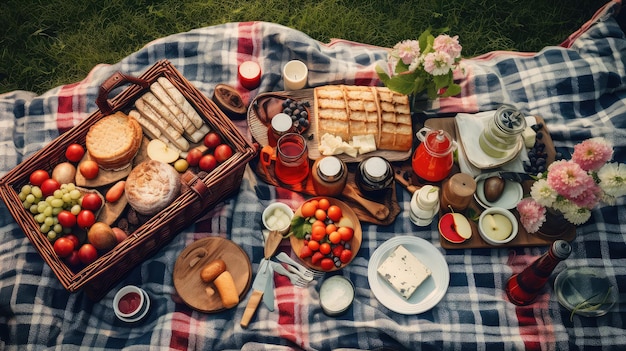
[(433, 158), (292, 159)]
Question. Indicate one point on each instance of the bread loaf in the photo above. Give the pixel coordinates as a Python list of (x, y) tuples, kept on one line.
[(227, 289), (151, 186), (348, 111), (114, 141), (212, 270)]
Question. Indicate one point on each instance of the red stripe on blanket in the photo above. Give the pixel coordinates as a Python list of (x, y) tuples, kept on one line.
[(180, 331), (292, 319), (248, 49), (72, 101)]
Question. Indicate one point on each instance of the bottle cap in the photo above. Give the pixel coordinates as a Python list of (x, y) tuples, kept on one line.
[(561, 249), (281, 123), (428, 196), (330, 167), (376, 168)]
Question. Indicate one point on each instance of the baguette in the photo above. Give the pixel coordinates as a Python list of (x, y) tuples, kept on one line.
[(157, 89), (179, 99), (212, 270), (163, 111), (168, 131), (226, 288)]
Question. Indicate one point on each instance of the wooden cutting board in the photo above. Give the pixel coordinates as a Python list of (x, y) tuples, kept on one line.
[(194, 257)]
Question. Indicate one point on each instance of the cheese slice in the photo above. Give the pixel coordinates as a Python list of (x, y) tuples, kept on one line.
[(403, 271)]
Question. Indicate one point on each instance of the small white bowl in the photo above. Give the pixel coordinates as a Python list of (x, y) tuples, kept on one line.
[(511, 195), (137, 313), (270, 210), (506, 213), (336, 295)]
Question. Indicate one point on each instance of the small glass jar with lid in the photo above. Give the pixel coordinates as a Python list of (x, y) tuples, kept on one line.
[(329, 176), (280, 125), (503, 132), (374, 177)]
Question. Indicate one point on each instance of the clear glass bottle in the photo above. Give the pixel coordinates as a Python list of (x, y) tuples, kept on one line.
[(522, 288), (503, 132)]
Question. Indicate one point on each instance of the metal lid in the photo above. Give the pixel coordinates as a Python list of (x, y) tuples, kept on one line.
[(510, 120), (330, 167), (281, 122), (376, 168), (561, 249)]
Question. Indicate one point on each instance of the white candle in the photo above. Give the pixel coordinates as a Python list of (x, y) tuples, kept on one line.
[(295, 75)]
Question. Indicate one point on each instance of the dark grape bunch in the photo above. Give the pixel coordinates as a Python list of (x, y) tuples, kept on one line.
[(537, 155), (297, 110)]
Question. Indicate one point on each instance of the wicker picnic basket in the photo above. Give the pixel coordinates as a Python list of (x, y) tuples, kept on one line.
[(205, 190)]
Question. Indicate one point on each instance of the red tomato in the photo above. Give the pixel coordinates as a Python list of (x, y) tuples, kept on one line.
[(325, 248), (222, 152), (334, 213), (63, 246), (207, 163), (49, 186), (193, 156), (212, 140), (346, 256), (87, 253), (346, 233), (327, 264), (74, 239), (91, 202), (73, 259), (38, 176), (308, 209), (89, 169), (85, 219), (324, 204), (66, 219), (74, 152)]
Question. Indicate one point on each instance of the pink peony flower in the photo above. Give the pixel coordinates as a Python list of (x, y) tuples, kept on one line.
[(592, 154), (449, 45), (532, 214), (407, 50), (568, 179), (438, 63)]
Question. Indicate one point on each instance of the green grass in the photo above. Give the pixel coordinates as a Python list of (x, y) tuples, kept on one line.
[(44, 44)]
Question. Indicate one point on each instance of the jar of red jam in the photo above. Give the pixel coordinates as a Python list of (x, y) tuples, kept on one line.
[(329, 176), (374, 177)]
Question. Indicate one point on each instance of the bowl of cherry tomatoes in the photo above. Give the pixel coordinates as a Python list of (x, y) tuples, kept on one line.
[(326, 234)]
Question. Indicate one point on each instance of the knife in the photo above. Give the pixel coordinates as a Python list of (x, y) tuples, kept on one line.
[(268, 294), (258, 288)]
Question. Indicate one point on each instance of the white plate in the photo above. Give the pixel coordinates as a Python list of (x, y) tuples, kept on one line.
[(511, 195), (428, 294)]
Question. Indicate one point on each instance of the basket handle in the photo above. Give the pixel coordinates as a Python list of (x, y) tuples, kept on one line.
[(111, 83)]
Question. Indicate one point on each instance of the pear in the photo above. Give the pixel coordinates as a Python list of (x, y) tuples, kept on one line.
[(102, 236)]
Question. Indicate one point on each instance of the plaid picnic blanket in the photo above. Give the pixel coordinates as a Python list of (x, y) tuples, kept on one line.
[(578, 87)]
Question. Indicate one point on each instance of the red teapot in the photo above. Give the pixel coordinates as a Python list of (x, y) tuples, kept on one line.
[(433, 158)]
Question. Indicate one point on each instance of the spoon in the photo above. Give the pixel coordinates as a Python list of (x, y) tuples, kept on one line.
[(379, 211), (271, 243)]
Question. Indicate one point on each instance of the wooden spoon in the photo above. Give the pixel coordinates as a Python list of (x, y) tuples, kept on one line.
[(380, 211), (271, 243)]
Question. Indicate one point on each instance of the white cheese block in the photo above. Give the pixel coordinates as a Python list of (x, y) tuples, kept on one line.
[(364, 143), (529, 137), (403, 271)]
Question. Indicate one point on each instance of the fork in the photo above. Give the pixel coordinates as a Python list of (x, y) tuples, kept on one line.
[(295, 279), (305, 272)]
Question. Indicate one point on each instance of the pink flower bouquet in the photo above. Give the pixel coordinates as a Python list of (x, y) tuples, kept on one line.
[(576, 186), (426, 64)]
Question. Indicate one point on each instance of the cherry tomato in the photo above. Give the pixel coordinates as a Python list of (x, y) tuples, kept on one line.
[(334, 213), (85, 219), (308, 209), (89, 169), (324, 204), (74, 239), (91, 202), (38, 176), (320, 214), (66, 219), (314, 245), (222, 152), (73, 259), (63, 246), (331, 228), (325, 248), (87, 253), (49, 186), (327, 264), (318, 233), (74, 152), (346, 233), (334, 237), (346, 256)]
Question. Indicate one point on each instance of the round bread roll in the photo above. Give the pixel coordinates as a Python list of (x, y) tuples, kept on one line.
[(151, 186), (114, 140)]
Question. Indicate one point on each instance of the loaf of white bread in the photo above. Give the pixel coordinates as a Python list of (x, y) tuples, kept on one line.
[(347, 111)]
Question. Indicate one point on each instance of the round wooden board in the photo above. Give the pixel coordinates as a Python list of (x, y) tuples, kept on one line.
[(355, 243), (194, 257)]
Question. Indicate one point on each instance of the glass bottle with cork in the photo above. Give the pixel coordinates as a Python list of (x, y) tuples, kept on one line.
[(522, 288)]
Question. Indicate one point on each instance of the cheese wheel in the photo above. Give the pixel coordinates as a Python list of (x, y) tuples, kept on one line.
[(226, 288), (212, 270)]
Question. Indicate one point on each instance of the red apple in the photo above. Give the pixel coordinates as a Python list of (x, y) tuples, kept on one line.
[(223, 152), (87, 253), (193, 156), (91, 202), (449, 229), (212, 140), (207, 163), (89, 169)]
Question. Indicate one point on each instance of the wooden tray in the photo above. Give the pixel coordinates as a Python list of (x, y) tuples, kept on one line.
[(258, 128), (192, 260), (523, 238)]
